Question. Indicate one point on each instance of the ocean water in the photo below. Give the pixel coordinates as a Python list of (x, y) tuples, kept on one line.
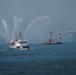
[(39, 60)]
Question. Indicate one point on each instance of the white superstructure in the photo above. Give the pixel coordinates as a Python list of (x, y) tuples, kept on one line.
[(18, 44)]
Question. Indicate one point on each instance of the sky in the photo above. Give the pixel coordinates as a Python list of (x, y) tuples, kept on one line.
[(62, 12)]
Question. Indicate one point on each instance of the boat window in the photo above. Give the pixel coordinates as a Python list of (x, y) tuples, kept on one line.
[(23, 42)]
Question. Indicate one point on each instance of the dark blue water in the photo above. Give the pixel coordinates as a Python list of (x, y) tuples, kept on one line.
[(39, 60)]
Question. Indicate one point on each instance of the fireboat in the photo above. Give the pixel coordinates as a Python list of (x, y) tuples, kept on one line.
[(20, 44), (51, 40)]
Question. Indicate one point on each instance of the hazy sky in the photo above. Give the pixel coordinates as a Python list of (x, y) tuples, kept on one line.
[(64, 10), (61, 11)]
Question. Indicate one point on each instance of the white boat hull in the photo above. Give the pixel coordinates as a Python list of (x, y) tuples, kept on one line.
[(20, 44)]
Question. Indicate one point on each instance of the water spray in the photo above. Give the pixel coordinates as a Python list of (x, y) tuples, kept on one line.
[(5, 27)]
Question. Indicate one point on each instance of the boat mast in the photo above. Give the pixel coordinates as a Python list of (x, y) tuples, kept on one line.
[(20, 35), (50, 37)]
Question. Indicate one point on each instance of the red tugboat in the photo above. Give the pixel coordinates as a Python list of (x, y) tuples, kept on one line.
[(51, 40)]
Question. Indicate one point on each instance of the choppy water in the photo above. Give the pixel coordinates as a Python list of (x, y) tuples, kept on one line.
[(39, 60)]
